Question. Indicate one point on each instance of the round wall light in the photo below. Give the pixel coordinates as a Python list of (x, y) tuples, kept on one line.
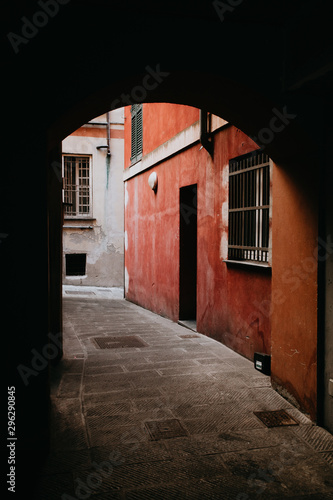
[(152, 181)]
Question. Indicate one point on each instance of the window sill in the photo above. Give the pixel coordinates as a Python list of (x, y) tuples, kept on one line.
[(78, 227), (248, 264), (81, 223), (135, 161), (79, 217), (75, 276)]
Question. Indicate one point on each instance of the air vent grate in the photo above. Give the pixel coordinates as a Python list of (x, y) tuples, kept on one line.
[(276, 418), (119, 342), (165, 429)]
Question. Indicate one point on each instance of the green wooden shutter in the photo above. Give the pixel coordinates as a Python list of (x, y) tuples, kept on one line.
[(136, 128)]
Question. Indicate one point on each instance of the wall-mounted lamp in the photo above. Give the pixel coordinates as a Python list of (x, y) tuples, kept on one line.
[(152, 181)]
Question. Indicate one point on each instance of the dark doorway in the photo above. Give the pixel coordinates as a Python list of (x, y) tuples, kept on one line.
[(188, 254)]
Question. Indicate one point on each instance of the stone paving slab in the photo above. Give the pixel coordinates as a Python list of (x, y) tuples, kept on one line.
[(106, 404)]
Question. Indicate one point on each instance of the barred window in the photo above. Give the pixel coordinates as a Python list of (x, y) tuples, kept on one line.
[(249, 207), (136, 132), (77, 195)]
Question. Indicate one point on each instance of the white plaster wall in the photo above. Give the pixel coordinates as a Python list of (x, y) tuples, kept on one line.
[(104, 244)]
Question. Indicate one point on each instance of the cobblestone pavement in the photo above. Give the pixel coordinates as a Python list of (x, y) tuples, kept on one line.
[(167, 413)]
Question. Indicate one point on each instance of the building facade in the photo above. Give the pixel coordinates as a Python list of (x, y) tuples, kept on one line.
[(203, 205), (93, 244), (179, 260)]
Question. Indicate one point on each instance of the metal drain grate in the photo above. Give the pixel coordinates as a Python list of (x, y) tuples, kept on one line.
[(119, 342), (189, 336), (165, 429), (75, 292), (276, 418)]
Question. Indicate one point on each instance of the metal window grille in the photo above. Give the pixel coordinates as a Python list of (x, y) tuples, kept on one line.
[(136, 132), (77, 196), (249, 207)]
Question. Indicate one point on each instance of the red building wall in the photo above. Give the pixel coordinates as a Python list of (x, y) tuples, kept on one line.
[(229, 298), (167, 120), (162, 122)]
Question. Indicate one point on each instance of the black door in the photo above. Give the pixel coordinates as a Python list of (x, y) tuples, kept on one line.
[(188, 253)]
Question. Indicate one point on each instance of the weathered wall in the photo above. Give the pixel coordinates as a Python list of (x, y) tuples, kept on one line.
[(294, 287), (104, 243), (227, 297), (166, 121), (249, 309)]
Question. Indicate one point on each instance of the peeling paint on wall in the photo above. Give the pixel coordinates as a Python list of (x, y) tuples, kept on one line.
[(103, 242), (223, 308), (224, 247), (225, 213)]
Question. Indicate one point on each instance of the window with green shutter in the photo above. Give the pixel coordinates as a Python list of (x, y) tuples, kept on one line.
[(136, 137)]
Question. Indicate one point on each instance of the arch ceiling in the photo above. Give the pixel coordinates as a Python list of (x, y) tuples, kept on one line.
[(70, 60)]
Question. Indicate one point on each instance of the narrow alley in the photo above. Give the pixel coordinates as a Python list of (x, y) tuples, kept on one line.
[(143, 408)]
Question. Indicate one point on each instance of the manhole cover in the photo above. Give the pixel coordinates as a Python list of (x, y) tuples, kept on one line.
[(165, 429), (189, 336), (119, 342), (276, 418)]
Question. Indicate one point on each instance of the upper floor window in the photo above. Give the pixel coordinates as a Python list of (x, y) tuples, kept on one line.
[(249, 208), (77, 186), (136, 132)]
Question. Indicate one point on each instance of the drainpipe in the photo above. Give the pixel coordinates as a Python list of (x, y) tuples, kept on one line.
[(205, 135), (107, 147), (108, 151)]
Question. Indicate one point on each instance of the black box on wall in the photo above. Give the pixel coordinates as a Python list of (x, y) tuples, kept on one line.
[(262, 363)]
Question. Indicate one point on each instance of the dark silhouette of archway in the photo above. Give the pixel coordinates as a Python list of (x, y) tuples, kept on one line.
[(70, 60)]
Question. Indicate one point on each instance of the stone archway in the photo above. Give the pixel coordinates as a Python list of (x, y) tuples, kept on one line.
[(244, 67)]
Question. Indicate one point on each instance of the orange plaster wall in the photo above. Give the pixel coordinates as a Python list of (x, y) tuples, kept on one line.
[(294, 288), (248, 311), (165, 121), (227, 298)]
